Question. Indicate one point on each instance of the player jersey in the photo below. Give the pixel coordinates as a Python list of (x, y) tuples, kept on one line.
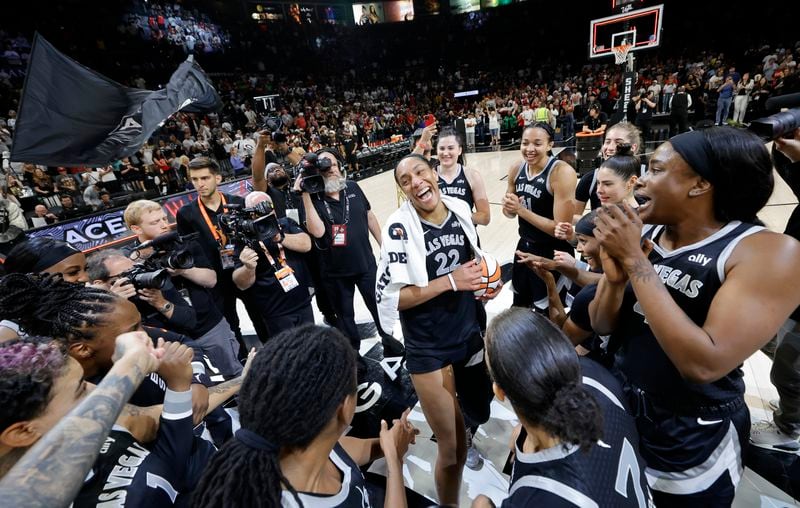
[(692, 274), (587, 189), (448, 320), (536, 195), (352, 494), (609, 474), (458, 188), (126, 474)]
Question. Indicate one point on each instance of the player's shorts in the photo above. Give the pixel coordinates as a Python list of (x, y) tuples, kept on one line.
[(694, 458), (422, 362)]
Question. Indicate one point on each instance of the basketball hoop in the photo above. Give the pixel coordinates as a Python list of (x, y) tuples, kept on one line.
[(621, 53)]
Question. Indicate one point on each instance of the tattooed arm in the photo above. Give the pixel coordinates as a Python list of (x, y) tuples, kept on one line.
[(52, 471)]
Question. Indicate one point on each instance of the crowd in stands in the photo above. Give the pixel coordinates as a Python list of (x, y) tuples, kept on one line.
[(352, 111), (187, 28)]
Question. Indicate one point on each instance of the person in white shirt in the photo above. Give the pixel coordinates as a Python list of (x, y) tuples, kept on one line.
[(469, 129)]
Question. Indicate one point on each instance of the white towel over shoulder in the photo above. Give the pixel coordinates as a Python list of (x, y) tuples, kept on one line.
[(403, 251)]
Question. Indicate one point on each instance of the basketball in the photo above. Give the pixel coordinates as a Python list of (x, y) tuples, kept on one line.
[(490, 276)]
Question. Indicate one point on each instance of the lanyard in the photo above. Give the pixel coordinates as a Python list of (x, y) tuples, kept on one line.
[(281, 257), (346, 208), (215, 231)]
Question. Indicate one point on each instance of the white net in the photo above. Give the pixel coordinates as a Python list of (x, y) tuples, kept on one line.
[(621, 52)]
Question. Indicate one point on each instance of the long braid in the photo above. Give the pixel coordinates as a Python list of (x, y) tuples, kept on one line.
[(44, 304), (294, 387)]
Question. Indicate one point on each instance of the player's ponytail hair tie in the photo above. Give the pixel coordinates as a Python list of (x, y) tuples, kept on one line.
[(255, 441), (697, 152)]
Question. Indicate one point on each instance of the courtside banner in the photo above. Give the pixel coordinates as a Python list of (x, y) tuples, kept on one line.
[(108, 229)]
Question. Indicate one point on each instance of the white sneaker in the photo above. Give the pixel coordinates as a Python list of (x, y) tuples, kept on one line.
[(767, 435), (474, 459)]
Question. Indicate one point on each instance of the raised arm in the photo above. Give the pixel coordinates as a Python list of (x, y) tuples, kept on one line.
[(758, 294), (52, 472)]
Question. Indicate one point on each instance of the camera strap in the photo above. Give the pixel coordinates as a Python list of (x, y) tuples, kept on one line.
[(283, 272), (346, 209), (216, 232)]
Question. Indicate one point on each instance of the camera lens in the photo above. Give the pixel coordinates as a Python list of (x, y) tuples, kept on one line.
[(181, 260), (150, 280)]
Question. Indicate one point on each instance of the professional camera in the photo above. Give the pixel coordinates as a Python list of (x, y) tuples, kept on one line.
[(249, 226), (311, 167), (781, 124), (170, 250), (143, 276)]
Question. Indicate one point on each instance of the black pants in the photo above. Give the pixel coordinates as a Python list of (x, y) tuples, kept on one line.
[(785, 375), (341, 290), (678, 123), (278, 324)]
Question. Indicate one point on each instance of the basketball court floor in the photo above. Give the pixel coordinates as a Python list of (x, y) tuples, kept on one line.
[(499, 238)]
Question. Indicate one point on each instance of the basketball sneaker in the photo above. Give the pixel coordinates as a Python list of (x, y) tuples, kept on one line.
[(474, 459)]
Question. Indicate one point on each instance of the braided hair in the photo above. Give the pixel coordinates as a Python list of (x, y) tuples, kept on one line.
[(44, 304), (537, 367), (293, 389)]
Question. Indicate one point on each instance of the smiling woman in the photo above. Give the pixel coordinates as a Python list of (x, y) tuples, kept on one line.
[(541, 191), (715, 288)]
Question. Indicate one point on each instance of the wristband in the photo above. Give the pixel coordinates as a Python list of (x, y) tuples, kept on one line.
[(452, 282)]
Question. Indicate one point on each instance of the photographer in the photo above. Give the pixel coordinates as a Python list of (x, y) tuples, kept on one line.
[(338, 215), (273, 273), (783, 432), (159, 303), (211, 331)]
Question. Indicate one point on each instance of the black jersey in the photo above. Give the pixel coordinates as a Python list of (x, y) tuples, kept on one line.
[(458, 188), (126, 474), (587, 189), (692, 274), (610, 474), (353, 493), (448, 320), (536, 195)]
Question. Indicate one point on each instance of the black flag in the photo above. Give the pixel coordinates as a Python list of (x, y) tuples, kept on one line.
[(70, 115)]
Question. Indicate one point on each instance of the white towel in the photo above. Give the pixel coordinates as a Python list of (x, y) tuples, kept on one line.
[(403, 255)]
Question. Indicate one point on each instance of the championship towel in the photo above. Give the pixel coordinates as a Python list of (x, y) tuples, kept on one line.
[(403, 251)]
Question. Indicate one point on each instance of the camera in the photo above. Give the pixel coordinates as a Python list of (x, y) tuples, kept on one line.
[(249, 226), (311, 167), (145, 277), (781, 124), (169, 251)]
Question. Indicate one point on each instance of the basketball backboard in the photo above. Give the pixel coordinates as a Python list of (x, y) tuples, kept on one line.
[(641, 28)]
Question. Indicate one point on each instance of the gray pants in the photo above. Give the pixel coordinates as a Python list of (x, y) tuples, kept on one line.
[(785, 375), (222, 348)]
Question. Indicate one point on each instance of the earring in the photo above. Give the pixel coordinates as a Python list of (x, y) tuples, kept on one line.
[(695, 192)]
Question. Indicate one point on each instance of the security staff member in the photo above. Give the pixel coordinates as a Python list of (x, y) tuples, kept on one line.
[(341, 220), (275, 276)]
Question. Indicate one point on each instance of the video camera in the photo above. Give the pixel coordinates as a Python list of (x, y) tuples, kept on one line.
[(170, 250), (249, 226), (311, 166), (781, 124)]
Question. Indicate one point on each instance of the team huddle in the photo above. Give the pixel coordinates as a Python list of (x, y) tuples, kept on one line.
[(623, 367)]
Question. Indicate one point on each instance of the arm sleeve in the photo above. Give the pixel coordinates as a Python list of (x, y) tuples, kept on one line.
[(175, 437)]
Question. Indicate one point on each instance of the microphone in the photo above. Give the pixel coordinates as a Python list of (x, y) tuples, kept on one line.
[(170, 237)]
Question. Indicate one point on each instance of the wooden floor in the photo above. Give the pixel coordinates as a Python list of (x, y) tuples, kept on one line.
[(499, 238)]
